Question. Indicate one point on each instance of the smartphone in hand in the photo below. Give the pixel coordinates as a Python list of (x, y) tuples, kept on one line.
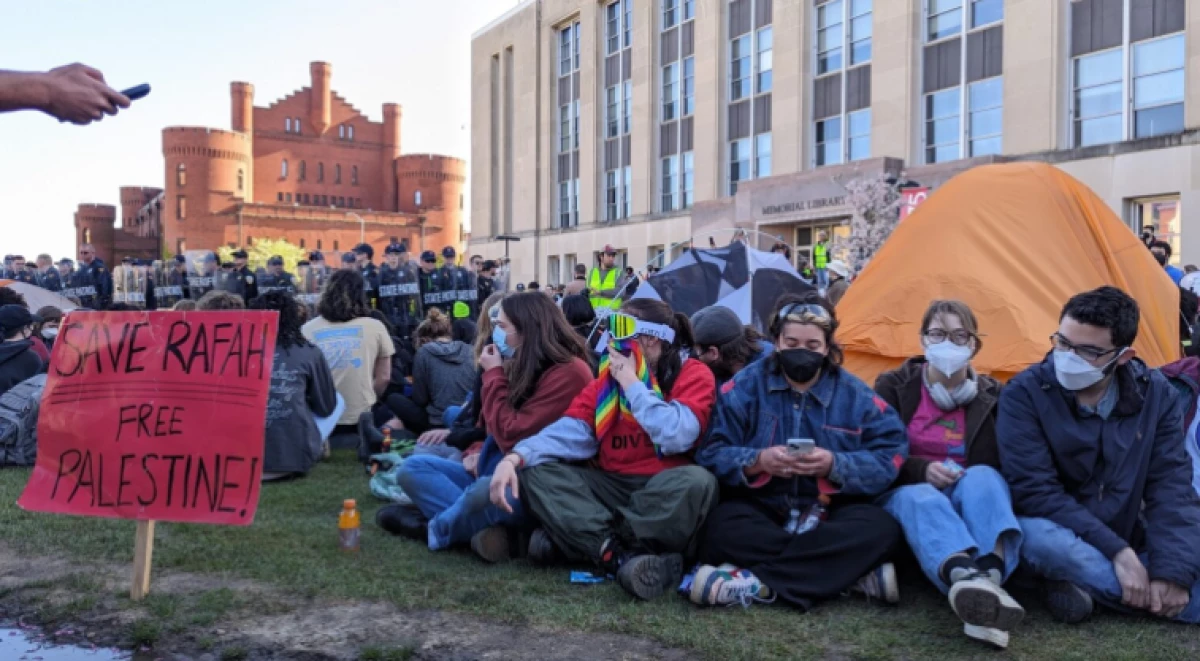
[(798, 447)]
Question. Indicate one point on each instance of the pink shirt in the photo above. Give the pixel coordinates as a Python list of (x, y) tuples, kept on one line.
[(937, 435)]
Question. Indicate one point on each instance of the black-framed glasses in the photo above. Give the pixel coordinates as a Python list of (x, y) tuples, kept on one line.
[(961, 336), (1084, 351)]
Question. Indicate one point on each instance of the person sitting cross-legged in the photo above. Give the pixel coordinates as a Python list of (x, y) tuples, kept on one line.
[(636, 509), (1092, 445), (950, 498), (801, 447)]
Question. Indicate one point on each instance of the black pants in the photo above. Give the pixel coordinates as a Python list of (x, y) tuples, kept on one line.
[(414, 418), (801, 569)]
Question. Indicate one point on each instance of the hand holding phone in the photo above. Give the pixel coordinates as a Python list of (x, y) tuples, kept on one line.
[(798, 447)]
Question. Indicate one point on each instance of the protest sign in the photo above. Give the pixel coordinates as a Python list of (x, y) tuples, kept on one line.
[(155, 416)]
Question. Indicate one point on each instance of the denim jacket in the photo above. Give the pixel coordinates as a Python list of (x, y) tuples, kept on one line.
[(842, 414)]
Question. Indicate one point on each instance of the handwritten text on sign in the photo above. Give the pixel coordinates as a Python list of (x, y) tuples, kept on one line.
[(155, 416)]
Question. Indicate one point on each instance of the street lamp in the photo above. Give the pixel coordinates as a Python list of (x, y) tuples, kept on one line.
[(507, 239), (362, 226)]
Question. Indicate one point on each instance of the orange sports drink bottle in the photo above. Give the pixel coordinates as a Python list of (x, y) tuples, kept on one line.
[(349, 526), (387, 439)]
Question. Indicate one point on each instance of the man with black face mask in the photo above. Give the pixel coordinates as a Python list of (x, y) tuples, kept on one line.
[(1162, 254), (790, 430)]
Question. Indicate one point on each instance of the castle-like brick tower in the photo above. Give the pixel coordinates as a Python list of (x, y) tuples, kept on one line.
[(309, 168)]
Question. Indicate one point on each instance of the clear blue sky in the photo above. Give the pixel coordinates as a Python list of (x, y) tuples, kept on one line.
[(413, 52)]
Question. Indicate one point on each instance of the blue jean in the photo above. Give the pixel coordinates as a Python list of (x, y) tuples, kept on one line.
[(969, 516), (1058, 554), (822, 278), (456, 503)]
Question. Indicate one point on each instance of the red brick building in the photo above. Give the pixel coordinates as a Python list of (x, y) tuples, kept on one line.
[(309, 168)]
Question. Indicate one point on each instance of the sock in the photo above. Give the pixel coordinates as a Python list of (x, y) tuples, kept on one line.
[(993, 566), (956, 568)]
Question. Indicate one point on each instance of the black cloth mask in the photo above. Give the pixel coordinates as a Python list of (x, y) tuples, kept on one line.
[(801, 365)]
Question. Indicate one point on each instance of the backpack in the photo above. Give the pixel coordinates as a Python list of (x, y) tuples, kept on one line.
[(18, 421)]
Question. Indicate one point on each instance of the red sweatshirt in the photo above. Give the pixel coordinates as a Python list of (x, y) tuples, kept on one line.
[(551, 397)]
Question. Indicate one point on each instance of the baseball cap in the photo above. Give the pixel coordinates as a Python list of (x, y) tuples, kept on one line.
[(716, 325), (348, 258), (275, 260), (448, 252), (14, 316), (395, 249), (428, 256), (126, 260), (240, 254), (303, 262), (520, 286), (316, 256), (609, 250), (364, 249), (227, 265), (71, 262), (178, 258)]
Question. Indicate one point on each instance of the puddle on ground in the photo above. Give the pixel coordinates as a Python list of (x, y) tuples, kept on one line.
[(28, 645)]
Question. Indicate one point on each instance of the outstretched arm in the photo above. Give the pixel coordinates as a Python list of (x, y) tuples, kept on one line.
[(73, 93)]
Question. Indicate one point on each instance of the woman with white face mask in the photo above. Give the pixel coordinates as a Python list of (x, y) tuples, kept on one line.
[(950, 498)]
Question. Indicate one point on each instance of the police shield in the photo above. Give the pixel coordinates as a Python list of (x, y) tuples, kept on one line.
[(170, 284), (203, 274), (466, 294), (310, 282), (131, 285), (400, 297)]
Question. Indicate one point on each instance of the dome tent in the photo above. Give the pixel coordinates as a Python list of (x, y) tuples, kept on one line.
[(1015, 242)]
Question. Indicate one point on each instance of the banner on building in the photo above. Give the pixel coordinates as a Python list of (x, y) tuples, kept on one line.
[(910, 198)]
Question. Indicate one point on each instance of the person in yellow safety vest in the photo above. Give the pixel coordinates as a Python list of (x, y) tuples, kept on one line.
[(821, 261), (602, 282)]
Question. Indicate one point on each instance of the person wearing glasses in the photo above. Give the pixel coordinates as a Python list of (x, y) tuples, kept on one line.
[(638, 504), (1092, 445), (91, 281), (950, 498), (801, 447)]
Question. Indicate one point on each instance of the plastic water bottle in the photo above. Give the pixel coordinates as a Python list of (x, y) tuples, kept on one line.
[(349, 526)]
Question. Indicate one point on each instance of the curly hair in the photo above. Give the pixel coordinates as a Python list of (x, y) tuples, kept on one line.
[(345, 297), (289, 323), (220, 300)]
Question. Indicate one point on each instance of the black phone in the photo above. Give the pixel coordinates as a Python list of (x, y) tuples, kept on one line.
[(137, 92)]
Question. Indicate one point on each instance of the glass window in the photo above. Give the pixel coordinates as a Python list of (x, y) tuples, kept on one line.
[(613, 27), (626, 106), (689, 86), (283, 169), (984, 12), (303, 170), (564, 128), (320, 172), (688, 179), (296, 125), (564, 204), (614, 106), (628, 13), (353, 175), (670, 184), (739, 68), (859, 125), (241, 179), (610, 196), (689, 9), (1158, 86), (830, 35), (341, 132), (287, 197), (942, 126), (575, 29), (762, 155), (1097, 99), (986, 125), (829, 141), (287, 124), (350, 133), (575, 128), (337, 173), (860, 31), (417, 198), (180, 213), (945, 19), (181, 175), (670, 14), (765, 60), (670, 89), (566, 50), (626, 191), (739, 163)]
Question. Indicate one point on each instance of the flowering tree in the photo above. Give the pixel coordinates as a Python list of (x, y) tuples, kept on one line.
[(264, 249), (876, 204)]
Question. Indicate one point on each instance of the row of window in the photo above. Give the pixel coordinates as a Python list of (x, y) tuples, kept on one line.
[(1148, 73), (321, 200), (181, 177), (834, 40), (945, 18), (303, 174), (292, 125)]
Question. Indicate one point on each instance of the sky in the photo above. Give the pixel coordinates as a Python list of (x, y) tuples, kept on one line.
[(412, 52)]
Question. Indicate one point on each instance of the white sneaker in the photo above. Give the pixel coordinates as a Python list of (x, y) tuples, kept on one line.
[(880, 584), (727, 585), (980, 603), (994, 637)]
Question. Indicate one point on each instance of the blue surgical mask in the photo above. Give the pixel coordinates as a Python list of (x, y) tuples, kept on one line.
[(500, 339)]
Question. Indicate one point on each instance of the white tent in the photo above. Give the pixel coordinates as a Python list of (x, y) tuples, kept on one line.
[(38, 298)]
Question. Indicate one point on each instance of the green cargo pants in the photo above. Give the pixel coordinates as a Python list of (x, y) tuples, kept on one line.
[(579, 507)]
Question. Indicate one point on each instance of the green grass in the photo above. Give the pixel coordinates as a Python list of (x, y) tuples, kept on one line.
[(293, 545)]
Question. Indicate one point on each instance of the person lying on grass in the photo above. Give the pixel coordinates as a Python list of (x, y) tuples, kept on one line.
[(950, 498), (801, 447), (532, 370), (639, 504)]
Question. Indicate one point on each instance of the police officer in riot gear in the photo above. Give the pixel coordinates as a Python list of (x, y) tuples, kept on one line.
[(399, 290), (170, 283), (203, 276), (458, 287), (21, 272), (130, 285), (430, 281), (46, 276), (276, 279), (92, 282), (242, 281), (363, 256)]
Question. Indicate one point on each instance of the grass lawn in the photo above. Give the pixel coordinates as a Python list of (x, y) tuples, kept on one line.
[(293, 545)]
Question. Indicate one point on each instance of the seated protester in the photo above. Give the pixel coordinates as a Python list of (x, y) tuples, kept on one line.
[(756, 545), (532, 371), (402, 360), (639, 504), (1189, 309), (184, 305), (356, 347), (51, 320), (18, 361), (463, 330), (1091, 443), (443, 373), (1185, 376), (217, 299), (301, 390), (12, 297), (724, 344), (951, 500)]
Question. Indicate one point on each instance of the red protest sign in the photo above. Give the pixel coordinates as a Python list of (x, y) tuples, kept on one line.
[(910, 199), (155, 416)]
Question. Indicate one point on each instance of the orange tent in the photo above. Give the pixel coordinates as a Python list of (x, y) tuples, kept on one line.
[(1014, 242)]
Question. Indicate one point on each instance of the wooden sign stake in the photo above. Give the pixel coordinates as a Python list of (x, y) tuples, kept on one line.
[(143, 554)]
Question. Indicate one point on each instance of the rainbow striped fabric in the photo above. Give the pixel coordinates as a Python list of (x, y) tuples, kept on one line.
[(611, 401)]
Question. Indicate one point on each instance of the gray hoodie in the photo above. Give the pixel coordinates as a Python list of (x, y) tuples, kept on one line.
[(301, 389), (443, 373)]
